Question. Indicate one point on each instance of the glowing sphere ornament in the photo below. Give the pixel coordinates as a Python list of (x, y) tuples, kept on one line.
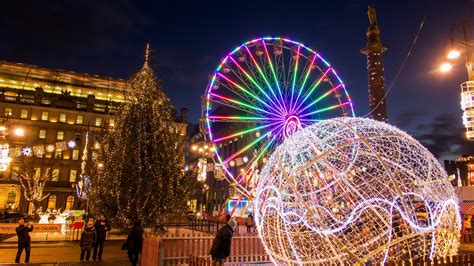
[(354, 190)]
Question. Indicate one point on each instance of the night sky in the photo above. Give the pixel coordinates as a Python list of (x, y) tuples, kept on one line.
[(189, 39)]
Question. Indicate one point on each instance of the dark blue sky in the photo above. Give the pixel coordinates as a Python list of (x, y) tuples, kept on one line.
[(188, 39)]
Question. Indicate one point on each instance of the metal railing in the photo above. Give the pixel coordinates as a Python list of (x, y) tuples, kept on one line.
[(173, 249), (68, 234)]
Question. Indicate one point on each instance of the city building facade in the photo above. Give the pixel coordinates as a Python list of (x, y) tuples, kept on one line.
[(50, 115), (461, 170)]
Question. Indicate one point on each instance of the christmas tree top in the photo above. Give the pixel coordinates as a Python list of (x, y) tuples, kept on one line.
[(144, 86)]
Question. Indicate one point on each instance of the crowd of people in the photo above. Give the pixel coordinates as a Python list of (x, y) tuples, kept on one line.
[(93, 237)]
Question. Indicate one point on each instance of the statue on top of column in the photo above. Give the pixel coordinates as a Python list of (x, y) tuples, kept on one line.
[(372, 15)]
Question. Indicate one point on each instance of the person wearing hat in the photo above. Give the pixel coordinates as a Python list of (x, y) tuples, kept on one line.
[(220, 248)]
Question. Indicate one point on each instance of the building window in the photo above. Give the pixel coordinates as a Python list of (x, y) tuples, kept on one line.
[(77, 136), (98, 122), (62, 118), (111, 122), (52, 202), (55, 174), (58, 154), (72, 176), (8, 111), (11, 197), (79, 119), (42, 133), (14, 172), (44, 116), (75, 154), (60, 135), (24, 113), (69, 202)]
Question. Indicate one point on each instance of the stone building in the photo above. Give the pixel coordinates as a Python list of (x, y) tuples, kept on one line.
[(47, 114)]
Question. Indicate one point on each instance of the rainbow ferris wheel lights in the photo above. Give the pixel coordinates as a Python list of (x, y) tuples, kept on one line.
[(260, 94)]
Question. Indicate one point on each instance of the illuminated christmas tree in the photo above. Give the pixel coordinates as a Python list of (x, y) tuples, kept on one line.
[(141, 158), (33, 175)]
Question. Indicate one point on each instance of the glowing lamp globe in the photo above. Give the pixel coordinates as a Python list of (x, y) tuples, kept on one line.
[(354, 190)]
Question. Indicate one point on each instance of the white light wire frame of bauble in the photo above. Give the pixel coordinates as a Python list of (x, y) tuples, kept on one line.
[(354, 190)]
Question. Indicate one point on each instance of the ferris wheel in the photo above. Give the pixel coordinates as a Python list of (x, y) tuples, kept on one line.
[(261, 93)]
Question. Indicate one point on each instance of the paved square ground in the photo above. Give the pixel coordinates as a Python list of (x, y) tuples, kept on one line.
[(65, 254)]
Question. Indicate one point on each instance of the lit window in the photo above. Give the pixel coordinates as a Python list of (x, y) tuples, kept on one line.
[(42, 134), (79, 119), (77, 136), (60, 135), (52, 202), (11, 197), (111, 122), (98, 122), (8, 111), (24, 113), (69, 202), (72, 176), (44, 116), (55, 174), (75, 154), (58, 154), (62, 118)]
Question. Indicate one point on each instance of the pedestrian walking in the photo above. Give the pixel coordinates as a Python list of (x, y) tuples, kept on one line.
[(467, 229), (249, 223), (471, 220), (254, 224), (220, 248), (24, 240), (88, 239), (102, 226), (135, 242)]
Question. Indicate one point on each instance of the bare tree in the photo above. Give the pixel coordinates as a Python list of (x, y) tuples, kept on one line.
[(33, 176)]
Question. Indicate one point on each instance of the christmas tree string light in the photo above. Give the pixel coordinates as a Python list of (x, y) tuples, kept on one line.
[(354, 190), (142, 158)]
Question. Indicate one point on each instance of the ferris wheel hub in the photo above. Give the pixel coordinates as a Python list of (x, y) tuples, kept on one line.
[(291, 124)]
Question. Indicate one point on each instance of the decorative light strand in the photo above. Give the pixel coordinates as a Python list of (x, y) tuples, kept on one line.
[(359, 187)]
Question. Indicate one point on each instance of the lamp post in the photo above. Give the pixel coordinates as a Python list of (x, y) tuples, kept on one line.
[(457, 47), (18, 131), (201, 151)]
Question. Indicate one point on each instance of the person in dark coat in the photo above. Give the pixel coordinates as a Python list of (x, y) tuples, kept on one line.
[(249, 223), (220, 248), (102, 226), (135, 242), (24, 240), (88, 239)]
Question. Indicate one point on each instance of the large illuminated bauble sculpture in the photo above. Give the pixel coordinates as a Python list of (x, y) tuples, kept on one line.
[(354, 190)]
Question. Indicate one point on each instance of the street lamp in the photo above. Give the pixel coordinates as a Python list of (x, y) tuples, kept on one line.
[(201, 151), (445, 67), (20, 132), (453, 54), (466, 46)]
